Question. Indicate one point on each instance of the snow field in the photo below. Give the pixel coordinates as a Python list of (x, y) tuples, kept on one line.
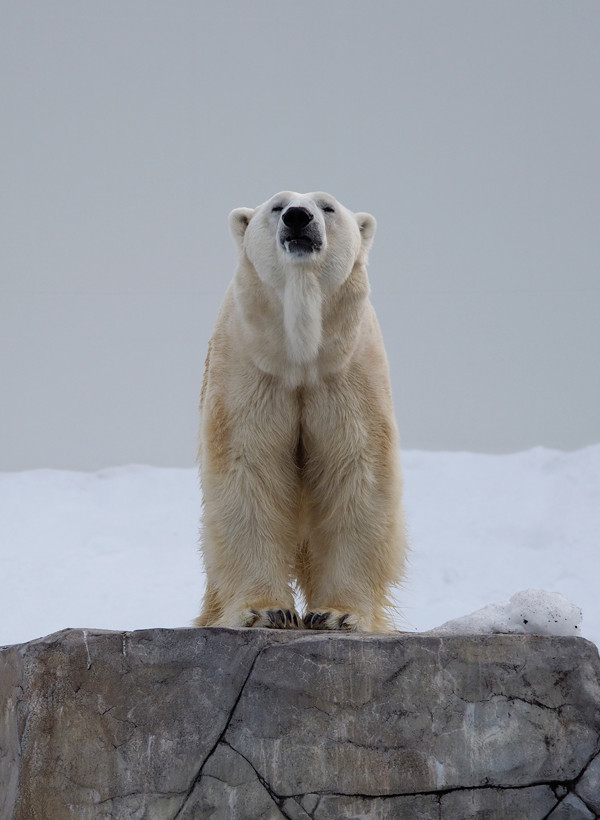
[(117, 549)]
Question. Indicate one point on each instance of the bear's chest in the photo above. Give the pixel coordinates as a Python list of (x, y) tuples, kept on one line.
[(302, 317)]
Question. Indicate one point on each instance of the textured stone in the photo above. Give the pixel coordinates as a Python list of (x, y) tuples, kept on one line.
[(492, 804), (409, 807), (499, 804), (588, 787), (571, 808), (268, 724)]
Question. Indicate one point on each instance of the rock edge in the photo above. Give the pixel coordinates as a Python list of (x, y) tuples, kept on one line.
[(195, 723)]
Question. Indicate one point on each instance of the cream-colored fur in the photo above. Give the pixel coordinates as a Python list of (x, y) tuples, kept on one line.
[(298, 444)]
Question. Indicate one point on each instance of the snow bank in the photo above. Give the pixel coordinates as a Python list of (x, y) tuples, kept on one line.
[(117, 549)]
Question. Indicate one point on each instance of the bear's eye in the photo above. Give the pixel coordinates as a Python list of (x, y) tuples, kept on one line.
[(327, 209), (276, 208)]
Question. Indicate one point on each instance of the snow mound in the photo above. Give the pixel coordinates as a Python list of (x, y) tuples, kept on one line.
[(531, 611)]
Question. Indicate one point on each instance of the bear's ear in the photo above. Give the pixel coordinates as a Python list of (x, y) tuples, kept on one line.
[(239, 219), (367, 226)]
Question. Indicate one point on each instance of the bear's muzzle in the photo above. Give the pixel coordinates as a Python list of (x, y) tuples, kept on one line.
[(298, 231)]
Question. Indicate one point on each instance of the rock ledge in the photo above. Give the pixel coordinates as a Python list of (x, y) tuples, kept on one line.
[(220, 723)]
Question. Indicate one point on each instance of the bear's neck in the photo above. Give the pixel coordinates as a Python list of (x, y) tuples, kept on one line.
[(294, 330), (302, 316)]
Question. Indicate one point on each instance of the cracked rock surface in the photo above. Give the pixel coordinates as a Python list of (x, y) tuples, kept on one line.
[(222, 723)]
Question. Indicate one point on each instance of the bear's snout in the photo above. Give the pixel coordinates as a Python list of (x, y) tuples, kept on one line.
[(299, 232), (297, 217)]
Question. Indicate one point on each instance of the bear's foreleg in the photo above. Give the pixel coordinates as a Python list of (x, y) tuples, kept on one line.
[(356, 546), (249, 484)]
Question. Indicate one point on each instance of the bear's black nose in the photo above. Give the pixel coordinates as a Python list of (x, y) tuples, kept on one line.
[(297, 217)]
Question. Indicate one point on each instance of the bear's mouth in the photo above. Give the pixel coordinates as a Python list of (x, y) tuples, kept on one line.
[(300, 244)]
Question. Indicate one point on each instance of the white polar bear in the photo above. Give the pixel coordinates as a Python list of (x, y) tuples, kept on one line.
[(298, 445)]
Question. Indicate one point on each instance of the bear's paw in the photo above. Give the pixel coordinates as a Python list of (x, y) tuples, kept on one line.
[(271, 619), (333, 619)]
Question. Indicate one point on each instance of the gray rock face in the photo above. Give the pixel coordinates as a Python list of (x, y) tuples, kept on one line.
[(222, 723)]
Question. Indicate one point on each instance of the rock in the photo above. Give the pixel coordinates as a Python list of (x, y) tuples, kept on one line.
[(196, 723), (571, 808), (588, 787)]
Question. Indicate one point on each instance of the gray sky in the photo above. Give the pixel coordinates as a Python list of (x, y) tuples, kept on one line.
[(131, 129)]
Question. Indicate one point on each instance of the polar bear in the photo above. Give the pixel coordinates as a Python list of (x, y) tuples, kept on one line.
[(298, 445)]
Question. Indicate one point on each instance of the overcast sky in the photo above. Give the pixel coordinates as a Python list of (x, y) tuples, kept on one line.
[(130, 129)]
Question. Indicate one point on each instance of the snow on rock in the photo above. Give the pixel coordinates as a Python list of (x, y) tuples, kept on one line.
[(532, 611)]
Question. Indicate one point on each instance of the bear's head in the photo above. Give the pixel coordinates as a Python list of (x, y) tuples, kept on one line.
[(309, 232)]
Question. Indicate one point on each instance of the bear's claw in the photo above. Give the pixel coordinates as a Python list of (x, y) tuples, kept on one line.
[(332, 620), (272, 619)]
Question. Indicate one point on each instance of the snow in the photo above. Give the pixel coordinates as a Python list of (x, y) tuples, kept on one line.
[(117, 549), (532, 611)]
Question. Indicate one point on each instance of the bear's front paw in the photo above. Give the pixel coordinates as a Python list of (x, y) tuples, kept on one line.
[(333, 619), (272, 618)]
